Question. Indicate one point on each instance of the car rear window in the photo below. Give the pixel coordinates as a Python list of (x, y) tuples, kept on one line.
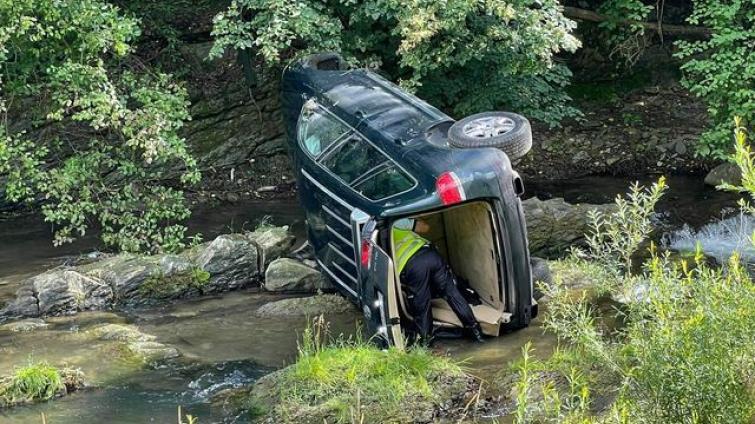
[(318, 130), (366, 169)]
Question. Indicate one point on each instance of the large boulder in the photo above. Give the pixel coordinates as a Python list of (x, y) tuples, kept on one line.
[(290, 275), (59, 292), (125, 274), (232, 261), (272, 242), (326, 304), (726, 173), (554, 225)]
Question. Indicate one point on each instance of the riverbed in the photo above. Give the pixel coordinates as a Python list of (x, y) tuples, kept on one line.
[(221, 341)]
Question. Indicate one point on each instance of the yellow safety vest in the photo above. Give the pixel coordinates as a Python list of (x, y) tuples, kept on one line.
[(406, 243)]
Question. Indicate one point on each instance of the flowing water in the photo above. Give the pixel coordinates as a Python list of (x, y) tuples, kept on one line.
[(222, 343)]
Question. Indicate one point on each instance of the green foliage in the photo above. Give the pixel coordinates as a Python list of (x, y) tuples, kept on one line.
[(677, 349), (721, 70), (84, 132), (617, 235), (342, 375), (38, 381), (625, 34), (440, 50), (745, 160)]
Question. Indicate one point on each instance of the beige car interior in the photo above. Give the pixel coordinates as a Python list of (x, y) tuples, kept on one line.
[(465, 236)]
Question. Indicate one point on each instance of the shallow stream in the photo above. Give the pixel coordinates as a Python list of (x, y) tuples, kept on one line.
[(222, 343)]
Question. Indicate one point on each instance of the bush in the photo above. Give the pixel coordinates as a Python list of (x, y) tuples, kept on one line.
[(676, 346), (719, 69), (441, 50), (88, 132)]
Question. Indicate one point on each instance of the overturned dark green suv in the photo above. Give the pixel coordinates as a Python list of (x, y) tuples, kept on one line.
[(367, 154)]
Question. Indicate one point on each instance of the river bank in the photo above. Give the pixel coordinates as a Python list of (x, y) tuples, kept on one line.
[(222, 342)]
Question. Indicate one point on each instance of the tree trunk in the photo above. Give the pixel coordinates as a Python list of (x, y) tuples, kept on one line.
[(681, 30)]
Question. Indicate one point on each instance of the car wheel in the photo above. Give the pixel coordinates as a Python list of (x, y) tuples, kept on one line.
[(503, 130)]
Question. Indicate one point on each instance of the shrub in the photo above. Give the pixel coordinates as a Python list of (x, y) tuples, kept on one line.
[(617, 235), (676, 348), (719, 69), (441, 50)]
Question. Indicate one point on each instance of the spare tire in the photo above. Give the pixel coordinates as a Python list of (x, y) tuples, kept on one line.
[(507, 131)]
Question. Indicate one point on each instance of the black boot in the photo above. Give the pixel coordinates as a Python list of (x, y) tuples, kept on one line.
[(475, 333)]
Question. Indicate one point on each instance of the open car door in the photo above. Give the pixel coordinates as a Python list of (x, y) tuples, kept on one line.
[(378, 291)]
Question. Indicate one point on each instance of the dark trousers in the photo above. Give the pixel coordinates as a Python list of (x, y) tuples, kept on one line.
[(425, 276)]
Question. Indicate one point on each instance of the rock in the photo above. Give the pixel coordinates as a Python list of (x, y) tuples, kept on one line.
[(727, 172), (143, 346), (541, 271), (24, 325), (680, 147), (150, 351), (554, 225), (273, 242), (232, 262), (229, 262), (290, 275), (125, 273), (119, 332), (306, 306), (59, 292)]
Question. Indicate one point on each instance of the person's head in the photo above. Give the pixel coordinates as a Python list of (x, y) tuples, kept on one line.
[(421, 226), (417, 225)]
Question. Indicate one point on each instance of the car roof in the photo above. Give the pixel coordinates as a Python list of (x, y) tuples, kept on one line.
[(377, 103)]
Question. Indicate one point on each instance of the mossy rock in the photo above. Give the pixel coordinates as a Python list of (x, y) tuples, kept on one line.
[(39, 382)]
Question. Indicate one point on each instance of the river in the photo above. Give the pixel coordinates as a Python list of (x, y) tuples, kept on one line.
[(223, 344)]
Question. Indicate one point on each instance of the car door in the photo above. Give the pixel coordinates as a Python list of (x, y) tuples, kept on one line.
[(327, 213), (379, 293)]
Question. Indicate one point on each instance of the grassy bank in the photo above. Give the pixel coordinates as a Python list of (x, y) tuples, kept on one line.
[(355, 381)]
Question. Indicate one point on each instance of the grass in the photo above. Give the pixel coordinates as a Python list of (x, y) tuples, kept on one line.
[(345, 379), (33, 382)]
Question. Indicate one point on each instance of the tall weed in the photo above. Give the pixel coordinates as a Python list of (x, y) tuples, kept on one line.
[(679, 347)]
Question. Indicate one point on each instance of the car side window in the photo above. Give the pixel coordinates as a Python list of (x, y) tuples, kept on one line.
[(352, 158), (362, 166), (387, 182), (318, 129)]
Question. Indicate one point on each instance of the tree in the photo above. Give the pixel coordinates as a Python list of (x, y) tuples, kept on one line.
[(464, 55), (86, 129), (721, 69)]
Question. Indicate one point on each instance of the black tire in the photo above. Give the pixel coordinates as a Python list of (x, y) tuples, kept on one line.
[(515, 142)]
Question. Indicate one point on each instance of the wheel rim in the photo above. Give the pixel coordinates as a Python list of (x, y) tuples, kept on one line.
[(489, 126)]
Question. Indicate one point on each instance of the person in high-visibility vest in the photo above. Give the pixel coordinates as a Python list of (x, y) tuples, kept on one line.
[(425, 274)]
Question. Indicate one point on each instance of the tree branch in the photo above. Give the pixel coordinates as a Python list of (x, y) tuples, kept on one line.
[(682, 30)]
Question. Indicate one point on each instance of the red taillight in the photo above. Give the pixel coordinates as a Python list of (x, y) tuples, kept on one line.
[(366, 253), (450, 189)]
